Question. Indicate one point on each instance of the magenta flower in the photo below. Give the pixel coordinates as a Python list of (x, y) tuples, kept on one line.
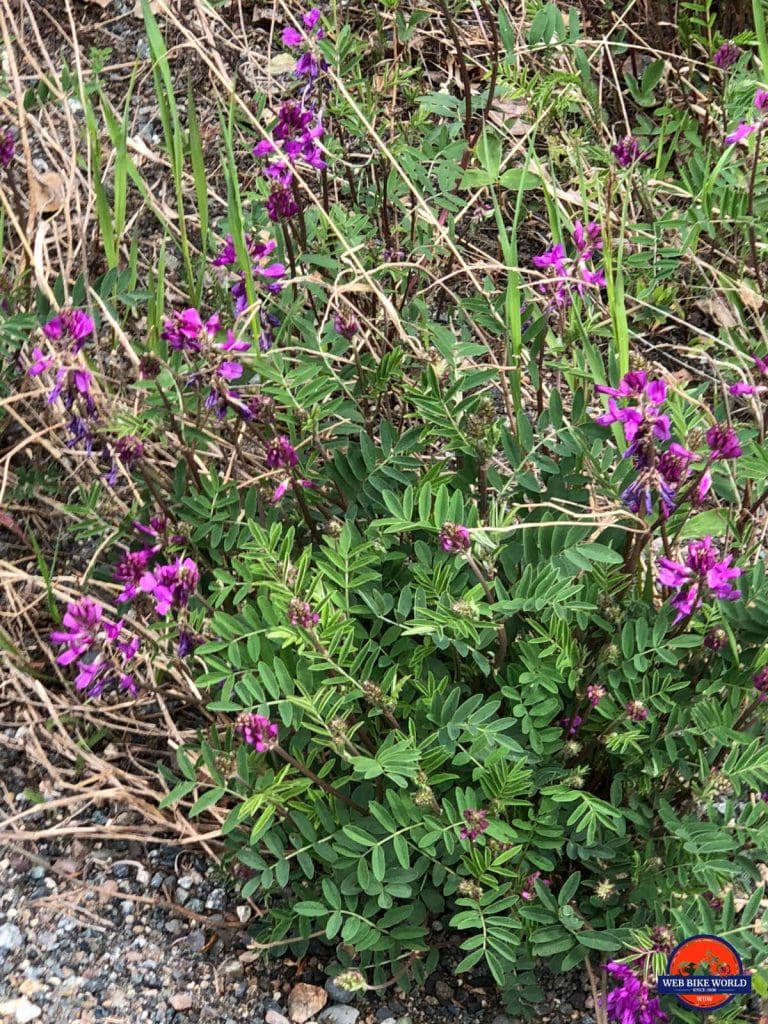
[(723, 442), (94, 644), (7, 146), (741, 132), (627, 152), (300, 613), (346, 328), (129, 449), (744, 129), (186, 331), (475, 823), (129, 571), (636, 711), (40, 363), (760, 679), (280, 453), (528, 892), (257, 731), (595, 693), (83, 622), (454, 538), (701, 575), (171, 585), (71, 325), (631, 1002), (726, 56)]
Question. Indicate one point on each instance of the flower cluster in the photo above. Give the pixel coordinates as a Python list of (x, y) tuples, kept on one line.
[(97, 647), (565, 275), (660, 473), (170, 584), (301, 613), (454, 538), (475, 823), (726, 56), (187, 332), (702, 574), (636, 711), (262, 269), (631, 1001), (627, 152), (744, 128), (257, 731), (299, 126), (279, 453)]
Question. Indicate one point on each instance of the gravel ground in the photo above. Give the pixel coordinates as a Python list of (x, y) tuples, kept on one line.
[(123, 932)]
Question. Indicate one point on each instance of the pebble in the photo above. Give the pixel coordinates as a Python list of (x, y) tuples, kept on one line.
[(10, 937), (181, 1001), (216, 900), (174, 926), (337, 994), (386, 1020), (443, 991), (37, 872), (21, 1010), (384, 1015), (196, 940), (186, 882), (273, 1017), (339, 1015), (304, 1001), (233, 970)]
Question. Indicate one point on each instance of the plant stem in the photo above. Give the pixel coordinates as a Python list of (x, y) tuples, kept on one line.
[(325, 786)]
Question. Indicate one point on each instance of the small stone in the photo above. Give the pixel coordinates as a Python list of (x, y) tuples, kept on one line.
[(386, 1020), (21, 1010), (196, 906), (197, 940), (305, 1001), (339, 1015), (384, 1015), (186, 881), (181, 896), (339, 994), (37, 873), (181, 1001), (216, 899), (174, 926), (10, 937), (233, 970), (157, 880), (443, 991), (273, 1017)]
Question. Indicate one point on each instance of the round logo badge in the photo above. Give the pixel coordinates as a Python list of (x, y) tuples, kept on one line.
[(705, 956)]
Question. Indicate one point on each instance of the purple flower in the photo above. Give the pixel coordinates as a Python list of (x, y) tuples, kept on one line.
[(701, 574), (571, 725), (69, 325), (130, 570), (41, 363), (280, 453), (454, 538), (475, 823), (631, 1001), (300, 613), (740, 133), (257, 731), (83, 622), (595, 693), (636, 711), (627, 151), (723, 442), (94, 644), (528, 892), (186, 331), (346, 328), (726, 56), (760, 679), (715, 639), (187, 642), (281, 204), (761, 101), (7, 146), (129, 449), (171, 585)]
